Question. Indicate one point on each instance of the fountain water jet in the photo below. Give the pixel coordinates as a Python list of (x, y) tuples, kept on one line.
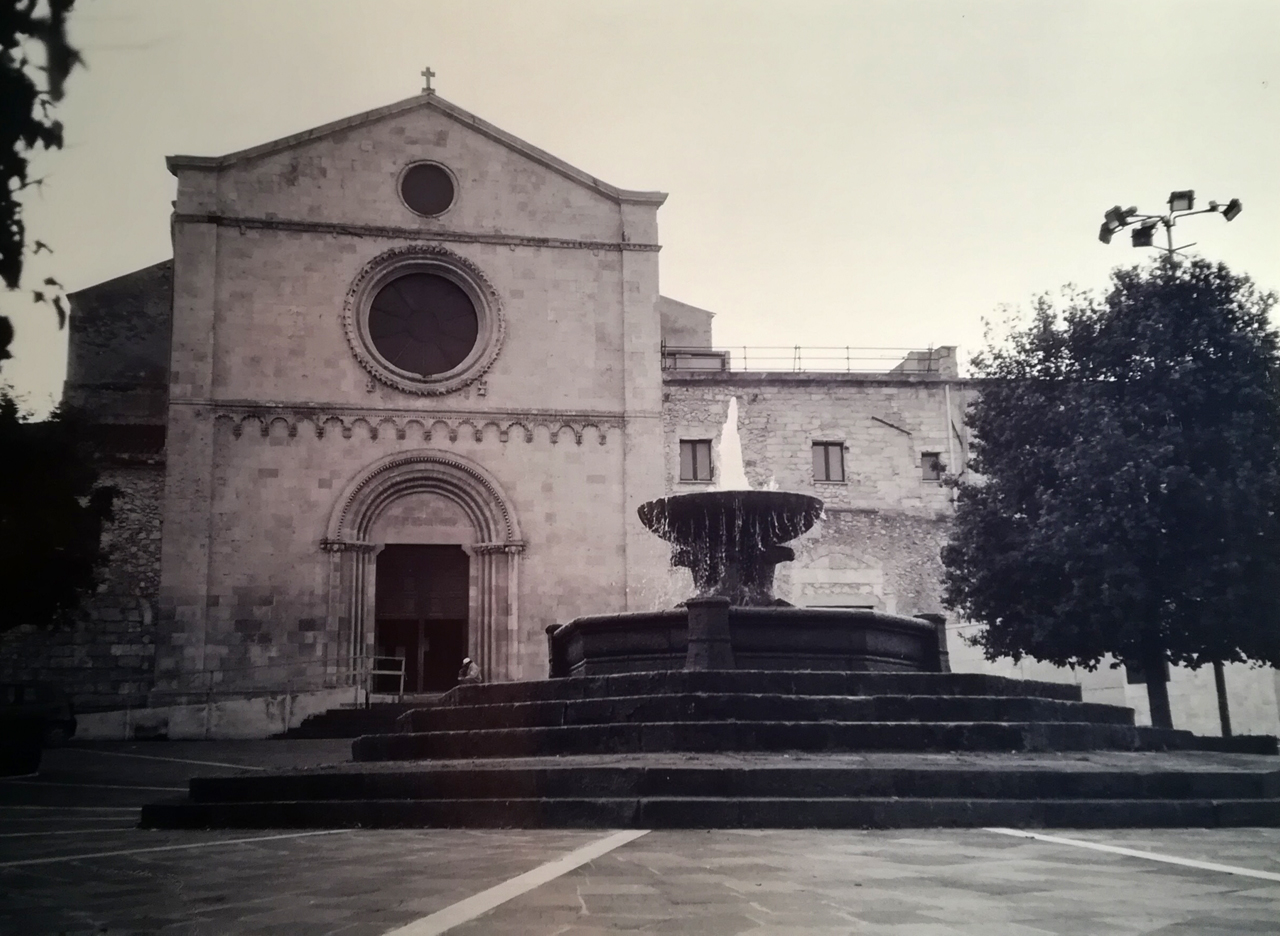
[(733, 473)]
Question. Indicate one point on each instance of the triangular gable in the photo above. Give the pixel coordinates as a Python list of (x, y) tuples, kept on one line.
[(434, 102)]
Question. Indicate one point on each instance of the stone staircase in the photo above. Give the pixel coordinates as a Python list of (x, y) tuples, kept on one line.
[(760, 749), (351, 722), (771, 711)]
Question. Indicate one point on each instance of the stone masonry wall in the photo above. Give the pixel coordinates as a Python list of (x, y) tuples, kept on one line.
[(879, 542), (272, 411), (107, 658)]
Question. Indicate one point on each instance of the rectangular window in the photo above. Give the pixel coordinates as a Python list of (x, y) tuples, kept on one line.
[(828, 461), (695, 459), (931, 466)]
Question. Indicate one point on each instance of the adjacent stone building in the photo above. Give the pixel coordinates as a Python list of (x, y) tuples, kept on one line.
[(399, 393)]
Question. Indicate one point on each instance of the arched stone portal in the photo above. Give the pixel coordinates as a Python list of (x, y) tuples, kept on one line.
[(495, 552)]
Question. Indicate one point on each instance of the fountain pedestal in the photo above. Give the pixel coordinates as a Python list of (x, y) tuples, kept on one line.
[(710, 646)]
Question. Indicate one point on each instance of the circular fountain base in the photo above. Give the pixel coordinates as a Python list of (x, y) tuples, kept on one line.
[(776, 638)]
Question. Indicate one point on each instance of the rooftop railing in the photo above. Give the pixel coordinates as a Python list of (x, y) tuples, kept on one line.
[(801, 358)]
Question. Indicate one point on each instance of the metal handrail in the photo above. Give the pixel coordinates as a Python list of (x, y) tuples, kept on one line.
[(798, 358), (395, 671)]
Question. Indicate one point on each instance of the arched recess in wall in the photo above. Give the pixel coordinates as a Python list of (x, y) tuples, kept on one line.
[(495, 556)]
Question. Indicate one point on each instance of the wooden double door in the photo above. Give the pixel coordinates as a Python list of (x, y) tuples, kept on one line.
[(422, 597)]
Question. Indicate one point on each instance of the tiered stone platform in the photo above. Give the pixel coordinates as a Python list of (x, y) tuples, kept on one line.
[(760, 749)]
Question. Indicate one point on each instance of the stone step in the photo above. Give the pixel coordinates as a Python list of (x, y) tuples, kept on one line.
[(351, 722), (767, 736), (717, 812), (804, 782), (758, 681), (760, 707)]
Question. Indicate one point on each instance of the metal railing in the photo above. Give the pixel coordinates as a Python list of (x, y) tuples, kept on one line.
[(392, 666), (797, 358)]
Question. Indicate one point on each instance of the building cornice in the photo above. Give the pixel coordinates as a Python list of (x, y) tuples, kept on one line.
[(389, 232)]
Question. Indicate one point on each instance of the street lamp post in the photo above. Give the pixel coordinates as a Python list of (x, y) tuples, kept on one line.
[(1182, 204)]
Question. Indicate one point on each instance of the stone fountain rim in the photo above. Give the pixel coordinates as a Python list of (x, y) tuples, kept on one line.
[(651, 513), (745, 613)]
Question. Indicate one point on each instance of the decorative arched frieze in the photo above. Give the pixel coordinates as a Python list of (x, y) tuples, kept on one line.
[(407, 426)]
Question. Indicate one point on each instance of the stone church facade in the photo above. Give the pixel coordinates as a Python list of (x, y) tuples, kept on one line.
[(400, 391)]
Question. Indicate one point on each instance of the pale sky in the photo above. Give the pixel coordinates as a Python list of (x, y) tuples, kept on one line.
[(840, 173)]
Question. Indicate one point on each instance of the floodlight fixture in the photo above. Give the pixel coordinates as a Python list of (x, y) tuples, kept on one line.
[(1182, 203)]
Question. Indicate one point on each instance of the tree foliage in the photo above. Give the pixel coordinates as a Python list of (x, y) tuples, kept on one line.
[(1127, 491), (29, 91), (51, 516)]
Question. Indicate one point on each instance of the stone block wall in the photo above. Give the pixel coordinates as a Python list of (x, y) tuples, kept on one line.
[(106, 659), (267, 605), (878, 544), (276, 405), (885, 423)]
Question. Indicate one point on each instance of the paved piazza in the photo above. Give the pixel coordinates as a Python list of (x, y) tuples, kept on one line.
[(72, 862)]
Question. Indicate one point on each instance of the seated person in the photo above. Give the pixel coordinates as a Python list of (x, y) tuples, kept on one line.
[(470, 673)]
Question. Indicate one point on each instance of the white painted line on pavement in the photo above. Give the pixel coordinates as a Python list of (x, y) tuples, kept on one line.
[(466, 910), (26, 862), (1135, 853), (4, 806), (115, 828), (54, 784), (172, 760)]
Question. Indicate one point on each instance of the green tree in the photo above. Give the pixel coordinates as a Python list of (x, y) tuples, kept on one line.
[(51, 516), (29, 92), (1126, 497)]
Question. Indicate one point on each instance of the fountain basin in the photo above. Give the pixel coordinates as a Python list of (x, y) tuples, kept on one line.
[(732, 540), (761, 638)]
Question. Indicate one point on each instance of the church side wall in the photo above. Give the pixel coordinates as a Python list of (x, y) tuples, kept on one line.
[(106, 659)]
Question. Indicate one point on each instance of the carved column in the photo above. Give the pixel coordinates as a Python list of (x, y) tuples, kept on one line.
[(495, 633), (351, 602)]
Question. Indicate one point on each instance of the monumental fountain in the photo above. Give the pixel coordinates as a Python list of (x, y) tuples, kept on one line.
[(736, 709), (731, 541)]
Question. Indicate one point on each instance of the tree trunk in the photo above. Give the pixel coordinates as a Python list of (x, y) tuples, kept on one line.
[(1153, 666), (1220, 683)]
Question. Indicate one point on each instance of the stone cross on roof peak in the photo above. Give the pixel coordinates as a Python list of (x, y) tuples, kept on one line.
[(427, 74)]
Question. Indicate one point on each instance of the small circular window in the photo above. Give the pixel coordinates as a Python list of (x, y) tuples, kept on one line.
[(427, 188), (423, 323)]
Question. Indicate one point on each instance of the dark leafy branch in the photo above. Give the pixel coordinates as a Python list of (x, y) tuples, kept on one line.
[(52, 513), (29, 93)]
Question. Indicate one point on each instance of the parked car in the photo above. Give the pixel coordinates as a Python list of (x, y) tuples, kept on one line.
[(43, 700)]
